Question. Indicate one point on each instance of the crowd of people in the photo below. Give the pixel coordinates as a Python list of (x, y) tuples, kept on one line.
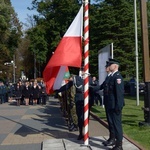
[(24, 93)]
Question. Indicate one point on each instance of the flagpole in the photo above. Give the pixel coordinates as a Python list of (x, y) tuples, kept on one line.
[(136, 55), (86, 70)]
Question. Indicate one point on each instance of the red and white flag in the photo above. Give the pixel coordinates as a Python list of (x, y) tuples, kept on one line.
[(68, 53)]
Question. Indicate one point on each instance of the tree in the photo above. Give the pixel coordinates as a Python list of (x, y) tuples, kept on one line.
[(51, 23), (110, 21), (10, 32), (114, 22)]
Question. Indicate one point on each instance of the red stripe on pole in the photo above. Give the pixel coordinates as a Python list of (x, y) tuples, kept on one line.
[(86, 136), (86, 80), (87, 120), (85, 95), (86, 108), (86, 67), (86, 54), (86, 29), (86, 6), (86, 42)]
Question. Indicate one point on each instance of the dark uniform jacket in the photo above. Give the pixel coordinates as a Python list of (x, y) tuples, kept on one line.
[(116, 91), (79, 85), (105, 88), (65, 87)]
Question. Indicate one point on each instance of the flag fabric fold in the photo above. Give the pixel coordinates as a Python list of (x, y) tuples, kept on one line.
[(67, 53)]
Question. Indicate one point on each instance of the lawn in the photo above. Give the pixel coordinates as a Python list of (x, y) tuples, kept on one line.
[(131, 116)]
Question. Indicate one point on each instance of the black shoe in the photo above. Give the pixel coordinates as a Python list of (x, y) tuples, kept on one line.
[(109, 142), (117, 148), (80, 137)]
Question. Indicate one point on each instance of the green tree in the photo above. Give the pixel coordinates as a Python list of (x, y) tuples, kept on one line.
[(114, 22), (50, 25), (111, 21), (10, 32)]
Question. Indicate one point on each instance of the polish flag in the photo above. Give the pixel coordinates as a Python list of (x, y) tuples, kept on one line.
[(68, 53)]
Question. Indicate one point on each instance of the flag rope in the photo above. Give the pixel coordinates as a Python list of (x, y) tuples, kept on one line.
[(86, 70)]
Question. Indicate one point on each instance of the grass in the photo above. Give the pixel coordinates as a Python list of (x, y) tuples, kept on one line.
[(131, 116)]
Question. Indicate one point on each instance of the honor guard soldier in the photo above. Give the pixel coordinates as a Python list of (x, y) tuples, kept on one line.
[(72, 121), (115, 104), (105, 88), (79, 102), (78, 83)]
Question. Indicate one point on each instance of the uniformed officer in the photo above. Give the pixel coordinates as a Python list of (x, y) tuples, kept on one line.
[(116, 103), (79, 102), (104, 86), (72, 121)]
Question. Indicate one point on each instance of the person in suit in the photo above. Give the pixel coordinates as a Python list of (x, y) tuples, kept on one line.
[(43, 94), (79, 102), (26, 92), (97, 96), (115, 103), (105, 88), (18, 93), (35, 91)]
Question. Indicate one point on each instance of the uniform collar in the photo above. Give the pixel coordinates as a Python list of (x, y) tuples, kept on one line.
[(109, 74), (114, 72)]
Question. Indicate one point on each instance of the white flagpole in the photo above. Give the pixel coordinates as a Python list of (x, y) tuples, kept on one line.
[(136, 55)]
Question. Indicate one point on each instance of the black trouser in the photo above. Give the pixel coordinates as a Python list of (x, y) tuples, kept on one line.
[(97, 98), (80, 114), (110, 122), (115, 125)]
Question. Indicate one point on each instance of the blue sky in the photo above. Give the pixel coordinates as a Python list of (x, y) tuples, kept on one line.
[(20, 7)]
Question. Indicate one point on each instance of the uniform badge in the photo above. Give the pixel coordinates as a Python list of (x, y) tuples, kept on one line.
[(118, 81)]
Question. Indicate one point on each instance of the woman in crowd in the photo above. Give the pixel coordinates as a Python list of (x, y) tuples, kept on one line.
[(18, 93), (26, 93), (35, 92)]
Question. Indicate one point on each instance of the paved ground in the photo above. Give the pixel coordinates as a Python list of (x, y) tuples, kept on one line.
[(43, 127)]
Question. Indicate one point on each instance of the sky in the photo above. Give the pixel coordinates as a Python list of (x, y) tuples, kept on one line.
[(20, 7)]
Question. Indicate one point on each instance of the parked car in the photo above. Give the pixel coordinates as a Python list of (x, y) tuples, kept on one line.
[(141, 87), (127, 87)]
